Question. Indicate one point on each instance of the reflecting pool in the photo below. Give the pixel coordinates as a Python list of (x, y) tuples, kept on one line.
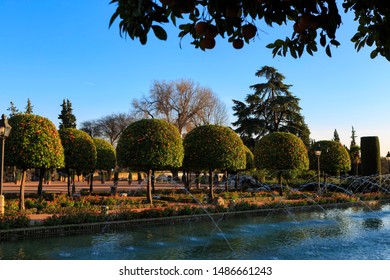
[(339, 234)]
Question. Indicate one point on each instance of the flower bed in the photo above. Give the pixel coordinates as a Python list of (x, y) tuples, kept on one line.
[(88, 209)]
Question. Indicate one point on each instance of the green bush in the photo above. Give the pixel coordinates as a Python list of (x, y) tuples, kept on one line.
[(14, 221)]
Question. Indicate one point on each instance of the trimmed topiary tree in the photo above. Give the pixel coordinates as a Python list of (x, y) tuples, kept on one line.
[(250, 159), (80, 153), (33, 143), (212, 147), (334, 158), (281, 152), (370, 155), (106, 158), (149, 145)]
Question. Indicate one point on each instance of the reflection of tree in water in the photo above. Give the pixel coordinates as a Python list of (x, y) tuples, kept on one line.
[(372, 223)]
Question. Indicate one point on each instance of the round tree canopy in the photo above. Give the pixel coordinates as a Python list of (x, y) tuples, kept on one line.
[(281, 151), (213, 147), (334, 157), (106, 156), (150, 144), (33, 143), (80, 150)]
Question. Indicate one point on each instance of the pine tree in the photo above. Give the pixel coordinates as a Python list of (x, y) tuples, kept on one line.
[(336, 136), (354, 152), (353, 137), (68, 119), (29, 107), (13, 110), (271, 108)]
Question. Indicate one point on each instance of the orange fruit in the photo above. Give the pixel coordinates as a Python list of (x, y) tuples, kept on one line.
[(305, 21), (201, 28), (238, 44), (207, 43), (211, 32), (297, 28), (248, 31)]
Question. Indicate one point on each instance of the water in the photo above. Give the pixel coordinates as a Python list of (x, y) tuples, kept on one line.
[(349, 234)]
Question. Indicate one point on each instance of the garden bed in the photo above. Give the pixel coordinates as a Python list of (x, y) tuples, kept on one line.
[(72, 216)]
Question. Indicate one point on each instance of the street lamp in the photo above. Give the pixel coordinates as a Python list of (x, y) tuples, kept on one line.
[(5, 130), (388, 160), (317, 152)]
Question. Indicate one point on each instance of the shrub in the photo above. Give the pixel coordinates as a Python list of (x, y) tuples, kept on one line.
[(14, 221)]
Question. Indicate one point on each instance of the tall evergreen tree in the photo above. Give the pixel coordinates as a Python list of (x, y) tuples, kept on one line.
[(29, 107), (353, 137), (336, 136), (271, 108), (68, 119), (13, 110), (354, 152)]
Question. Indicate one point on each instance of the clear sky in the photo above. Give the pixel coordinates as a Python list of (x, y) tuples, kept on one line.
[(53, 50)]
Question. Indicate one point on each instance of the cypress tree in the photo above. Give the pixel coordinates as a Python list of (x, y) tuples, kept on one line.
[(68, 120), (370, 155)]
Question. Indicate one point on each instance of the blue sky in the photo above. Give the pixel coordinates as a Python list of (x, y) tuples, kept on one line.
[(53, 50)]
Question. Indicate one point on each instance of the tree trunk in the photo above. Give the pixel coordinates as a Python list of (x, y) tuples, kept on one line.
[(69, 179), (226, 182), (175, 175), (188, 180), (102, 177), (149, 197), (280, 184), (211, 191), (153, 180), (73, 182), (91, 182), (197, 174), (21, 193), (42, 174)]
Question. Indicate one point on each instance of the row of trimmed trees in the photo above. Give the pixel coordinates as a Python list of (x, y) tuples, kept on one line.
[(36, 143), (151, 144)]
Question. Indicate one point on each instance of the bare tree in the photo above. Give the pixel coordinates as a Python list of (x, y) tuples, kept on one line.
[(214, 114), (91, 127), (109, 127), (184, 103)]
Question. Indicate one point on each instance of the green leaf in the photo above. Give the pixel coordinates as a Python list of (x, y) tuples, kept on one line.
[(328, 52), (373, 54), (293, 52), (279, 43), (159, 32), (113, 18), (323, 40), (335, 42)]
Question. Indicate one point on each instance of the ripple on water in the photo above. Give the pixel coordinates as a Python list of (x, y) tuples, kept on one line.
[(65, 254)]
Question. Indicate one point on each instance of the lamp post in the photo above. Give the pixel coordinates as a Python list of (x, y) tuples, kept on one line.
[(5, 130), (388, 161), (317, 152)]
